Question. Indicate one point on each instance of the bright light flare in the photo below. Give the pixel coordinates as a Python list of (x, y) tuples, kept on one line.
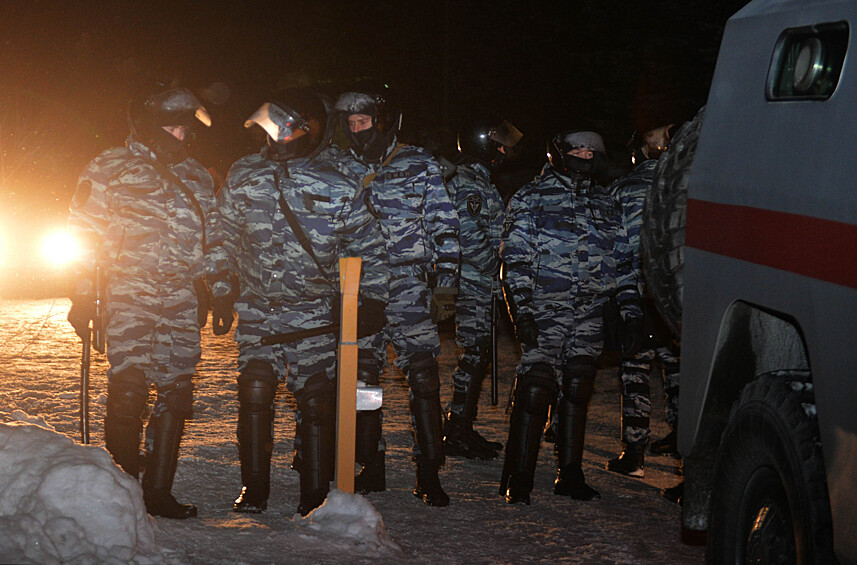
[(59, 248)]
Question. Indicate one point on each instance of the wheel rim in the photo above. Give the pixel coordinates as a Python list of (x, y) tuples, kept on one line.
[(768, 531)]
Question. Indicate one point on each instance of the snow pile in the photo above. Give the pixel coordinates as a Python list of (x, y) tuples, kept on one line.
[(65, 502), (353, 519)]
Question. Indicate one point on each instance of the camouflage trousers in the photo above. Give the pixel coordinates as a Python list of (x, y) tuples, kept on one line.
[(472, 335), (409, 327), (295, 362), (636, 392), (153, 328), (564, 332)]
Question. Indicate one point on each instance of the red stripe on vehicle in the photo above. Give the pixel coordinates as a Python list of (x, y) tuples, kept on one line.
[(813, 247)]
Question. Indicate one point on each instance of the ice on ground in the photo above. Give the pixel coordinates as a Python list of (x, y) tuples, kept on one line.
[(355, 521), (61, 502)]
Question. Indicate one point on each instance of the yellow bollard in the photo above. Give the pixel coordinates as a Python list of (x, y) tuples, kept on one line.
[(346, 398)]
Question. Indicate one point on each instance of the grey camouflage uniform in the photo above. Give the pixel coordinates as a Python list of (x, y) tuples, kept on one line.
[(480, 212), (148, 237), (630, 192), (564, 249), (420, 228), (282, 288)]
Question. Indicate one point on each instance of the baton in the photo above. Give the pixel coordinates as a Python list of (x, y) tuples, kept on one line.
[(494, 320), (84, 387)]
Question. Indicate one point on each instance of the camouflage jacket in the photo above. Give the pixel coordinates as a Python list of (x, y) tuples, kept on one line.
[(480, 213), (630, 192), (139, 224), (563, 241), (264, 251), (418, 219)]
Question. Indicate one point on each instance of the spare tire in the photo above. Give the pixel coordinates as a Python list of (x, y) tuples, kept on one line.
[(664, 221)]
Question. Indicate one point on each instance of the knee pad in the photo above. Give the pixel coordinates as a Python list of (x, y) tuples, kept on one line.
[(257, 385), (422, 375), (127, 393), (178, 396), (368, 369), (536, 389), (317, 398), (578, 379)]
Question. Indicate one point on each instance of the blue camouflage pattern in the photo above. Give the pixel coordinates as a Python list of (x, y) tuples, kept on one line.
[(420, 228), (282, 289), (564, 250), (147, 236), (630, 192), (480, 213)]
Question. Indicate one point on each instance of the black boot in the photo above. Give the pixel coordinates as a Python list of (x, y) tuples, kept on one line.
[(161, 469), (425, 409), (257, 387), (630, 462), (577, 383), (459, 439), (427, 485), (317, 430), (459, 436), (534, 393), (127, 394), (667, 445), (674, 493), (371, 477)]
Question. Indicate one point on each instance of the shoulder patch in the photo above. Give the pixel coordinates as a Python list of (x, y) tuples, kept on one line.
[(81, 195), (474, 204)]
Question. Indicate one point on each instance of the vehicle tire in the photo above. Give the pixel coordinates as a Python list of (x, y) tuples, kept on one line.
[(769, 503), (664, 221)]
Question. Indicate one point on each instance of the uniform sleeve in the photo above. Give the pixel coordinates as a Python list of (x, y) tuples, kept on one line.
[(518, 252), (221, 263), (477, 247), (627, 292), (362, 237), (442, 226), (89, 218)]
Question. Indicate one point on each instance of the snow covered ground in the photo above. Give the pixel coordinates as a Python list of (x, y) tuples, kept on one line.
[(62, 502)]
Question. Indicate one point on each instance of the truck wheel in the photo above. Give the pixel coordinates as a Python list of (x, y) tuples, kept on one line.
[(664, 221), (769, 503)]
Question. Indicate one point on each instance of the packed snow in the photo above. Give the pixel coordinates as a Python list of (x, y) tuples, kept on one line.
[(64, 502)]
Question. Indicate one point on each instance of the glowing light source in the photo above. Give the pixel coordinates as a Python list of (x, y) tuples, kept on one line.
[(59, 248)]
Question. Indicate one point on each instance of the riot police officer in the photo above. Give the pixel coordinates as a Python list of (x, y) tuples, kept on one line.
[(563, 249), (289, 212), (656, 339), (404, 189), (483, 144), (147, 214)]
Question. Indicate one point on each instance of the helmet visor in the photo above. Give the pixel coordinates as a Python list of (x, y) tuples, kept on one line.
[(505, 134), (280, 124)]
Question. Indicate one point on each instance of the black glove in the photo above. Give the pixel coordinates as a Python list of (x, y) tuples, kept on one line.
[(526, 329), (81, 313), (203, 301), (633, 337), (221, 316), (371, 318), (442, 303)]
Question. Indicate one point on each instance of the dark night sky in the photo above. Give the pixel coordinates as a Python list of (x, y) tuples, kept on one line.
[(67, 69)]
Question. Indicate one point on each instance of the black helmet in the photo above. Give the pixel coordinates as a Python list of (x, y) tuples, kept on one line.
[(164, 106), (482, 139), (572, 166), (296, 121), (374, 99)]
